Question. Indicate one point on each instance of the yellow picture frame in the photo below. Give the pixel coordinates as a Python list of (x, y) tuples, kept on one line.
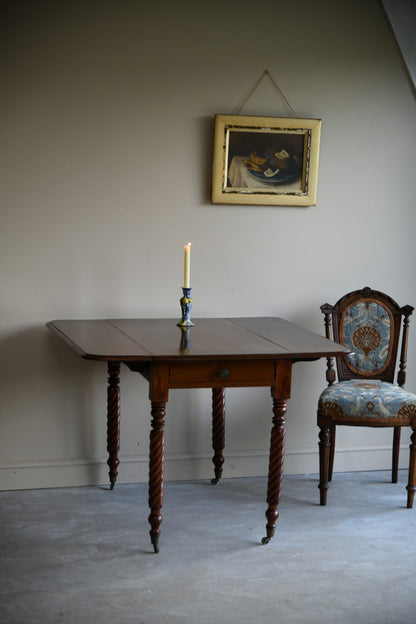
[(265, 160)]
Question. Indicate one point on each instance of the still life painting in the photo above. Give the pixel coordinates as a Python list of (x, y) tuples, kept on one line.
[(265, 160)]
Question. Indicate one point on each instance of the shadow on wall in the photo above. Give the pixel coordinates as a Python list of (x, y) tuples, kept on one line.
[(48, 389), (207, 145)]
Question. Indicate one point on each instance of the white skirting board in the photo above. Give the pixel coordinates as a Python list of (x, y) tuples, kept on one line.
[(87, 472)]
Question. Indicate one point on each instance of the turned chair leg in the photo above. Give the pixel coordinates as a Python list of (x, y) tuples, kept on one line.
[(395, 456), (411, 486), (331, 452), (324, 452)]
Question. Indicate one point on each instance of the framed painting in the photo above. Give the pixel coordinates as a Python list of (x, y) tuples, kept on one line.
[(265, 160)]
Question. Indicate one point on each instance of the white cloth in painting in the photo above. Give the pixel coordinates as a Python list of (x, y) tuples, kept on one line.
[(240, 177)]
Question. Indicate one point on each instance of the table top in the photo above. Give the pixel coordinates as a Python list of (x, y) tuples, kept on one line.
[(209, 338)]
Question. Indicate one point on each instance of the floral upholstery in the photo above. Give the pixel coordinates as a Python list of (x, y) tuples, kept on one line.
[(366, 328), (366, 399)]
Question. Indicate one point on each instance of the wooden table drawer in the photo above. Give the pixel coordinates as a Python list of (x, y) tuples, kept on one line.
[(222, 370)]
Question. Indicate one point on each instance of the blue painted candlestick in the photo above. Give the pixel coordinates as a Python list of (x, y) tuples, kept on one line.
[(186, 306)]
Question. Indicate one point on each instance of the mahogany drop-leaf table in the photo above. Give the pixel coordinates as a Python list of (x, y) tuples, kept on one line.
[(216, 353)]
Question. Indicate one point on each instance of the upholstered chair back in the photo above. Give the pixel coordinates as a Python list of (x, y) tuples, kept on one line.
[(369, 323)]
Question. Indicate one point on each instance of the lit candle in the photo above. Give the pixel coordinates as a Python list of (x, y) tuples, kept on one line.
[(187, 266)]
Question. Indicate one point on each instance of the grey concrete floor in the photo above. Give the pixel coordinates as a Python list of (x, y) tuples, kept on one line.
[(83, 555)]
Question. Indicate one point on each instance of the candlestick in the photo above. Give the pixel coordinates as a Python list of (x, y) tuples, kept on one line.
[(187, 266), (186, 305)]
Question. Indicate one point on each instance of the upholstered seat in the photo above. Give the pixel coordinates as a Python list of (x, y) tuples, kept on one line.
[(357, 400), (369, 323)]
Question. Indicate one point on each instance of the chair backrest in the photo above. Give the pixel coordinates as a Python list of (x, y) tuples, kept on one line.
[(368, 322)]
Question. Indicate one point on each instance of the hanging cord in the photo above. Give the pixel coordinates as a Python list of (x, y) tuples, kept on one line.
[(276, 86)]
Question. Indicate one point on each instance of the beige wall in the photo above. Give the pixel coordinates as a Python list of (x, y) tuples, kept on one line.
[(107, 123)]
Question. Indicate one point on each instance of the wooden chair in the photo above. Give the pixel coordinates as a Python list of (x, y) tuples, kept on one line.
[(369, 322)]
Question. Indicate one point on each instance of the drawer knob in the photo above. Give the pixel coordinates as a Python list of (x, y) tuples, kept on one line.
[(223, 373)]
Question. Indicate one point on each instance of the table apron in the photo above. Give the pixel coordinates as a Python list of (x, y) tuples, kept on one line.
[(217, 373)]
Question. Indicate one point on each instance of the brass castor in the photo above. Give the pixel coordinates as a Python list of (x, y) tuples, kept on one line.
[(270, 533), (155, 542)]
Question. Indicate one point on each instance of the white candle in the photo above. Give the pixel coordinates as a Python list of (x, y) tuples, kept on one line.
[(187, 266)]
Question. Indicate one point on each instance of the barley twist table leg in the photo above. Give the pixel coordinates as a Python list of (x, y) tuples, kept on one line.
[(113, 420), (277, 449), (218, 431), (156, 466)]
